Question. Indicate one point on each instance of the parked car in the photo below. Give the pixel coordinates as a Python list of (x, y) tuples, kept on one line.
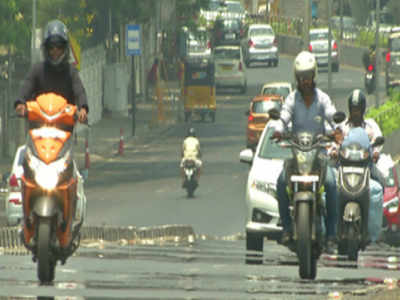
[(229, 68), (257, 116), (283, 89), (262, 218), (319, 47), (259, 44), (13, 199)]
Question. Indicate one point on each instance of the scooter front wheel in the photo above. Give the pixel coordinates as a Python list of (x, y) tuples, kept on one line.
[(45, 263), (352, 243)]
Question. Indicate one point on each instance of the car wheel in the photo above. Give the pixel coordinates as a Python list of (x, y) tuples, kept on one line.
[(254, 243), (276, 62)]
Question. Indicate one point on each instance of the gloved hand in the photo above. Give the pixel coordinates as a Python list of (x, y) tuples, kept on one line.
[(277, 136), (21, 109), (375, 156), (338, 135)]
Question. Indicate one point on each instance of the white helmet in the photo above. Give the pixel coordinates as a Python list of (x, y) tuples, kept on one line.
[(305, 64)]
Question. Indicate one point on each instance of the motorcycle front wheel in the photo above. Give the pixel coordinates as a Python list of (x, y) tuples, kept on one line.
[(353, 242), (45, 264), (307, 262)]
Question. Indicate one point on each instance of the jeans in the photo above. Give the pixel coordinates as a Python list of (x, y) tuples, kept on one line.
[(331, 202)]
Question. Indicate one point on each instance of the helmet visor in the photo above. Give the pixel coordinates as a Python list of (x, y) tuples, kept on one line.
[(305, 75)]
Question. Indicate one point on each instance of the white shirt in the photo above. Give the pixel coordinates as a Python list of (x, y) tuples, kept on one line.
[(191, 147)]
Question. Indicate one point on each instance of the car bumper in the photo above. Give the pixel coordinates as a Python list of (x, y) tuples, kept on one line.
[(267, 207), (229, 81), (263, 55), (322, 60)]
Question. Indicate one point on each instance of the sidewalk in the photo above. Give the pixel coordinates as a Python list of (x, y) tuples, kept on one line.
[(104, 136)]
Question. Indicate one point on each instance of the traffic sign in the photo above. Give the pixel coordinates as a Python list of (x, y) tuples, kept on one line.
[(133, 43)]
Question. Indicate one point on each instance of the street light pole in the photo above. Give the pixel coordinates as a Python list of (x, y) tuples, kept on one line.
[(377, 51), (33, 42), (329, 46), (306, 24)]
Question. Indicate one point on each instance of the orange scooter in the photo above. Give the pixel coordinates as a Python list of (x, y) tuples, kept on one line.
[(51, 229)]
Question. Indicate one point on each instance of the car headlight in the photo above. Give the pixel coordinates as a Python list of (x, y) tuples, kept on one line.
[(47, 176), (265, 187), (392, 205)]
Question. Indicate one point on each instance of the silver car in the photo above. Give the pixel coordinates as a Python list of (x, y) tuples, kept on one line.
[(319, 47), (13, 199), (229, 68), (259, 44)]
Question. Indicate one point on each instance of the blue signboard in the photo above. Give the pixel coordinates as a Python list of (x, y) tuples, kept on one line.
[(133, 43)]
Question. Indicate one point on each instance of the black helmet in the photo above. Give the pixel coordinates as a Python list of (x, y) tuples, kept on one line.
[(191, 132), (357, 99), (56, 34)]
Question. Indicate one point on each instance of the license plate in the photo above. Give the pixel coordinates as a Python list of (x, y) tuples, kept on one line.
[(304, 178), (356, 170), (229, 36), (226, 67), (369, 76)]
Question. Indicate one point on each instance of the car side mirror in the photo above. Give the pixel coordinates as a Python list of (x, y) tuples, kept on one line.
[(274, 114), (246, 156), (339, 117), (379, 141)]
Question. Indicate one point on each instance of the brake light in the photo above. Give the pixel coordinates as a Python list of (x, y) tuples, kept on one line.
[(250, 118), (310, 48), (251, 43), (240, 66), (388, 57), (370, 68), (334, 46), (13, 182)]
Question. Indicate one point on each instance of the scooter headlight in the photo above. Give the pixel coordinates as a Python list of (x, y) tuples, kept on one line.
[(47, 176)]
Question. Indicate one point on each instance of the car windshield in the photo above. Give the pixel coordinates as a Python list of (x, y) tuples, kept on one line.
[(227, 53), (318, 35), (231, 24), (264, 106), (261, 31), (283, 91), (395, 44), (271, 150)]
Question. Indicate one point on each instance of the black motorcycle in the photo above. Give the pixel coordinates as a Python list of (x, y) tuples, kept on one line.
[(190, 170), (369, 79), (354, 170)]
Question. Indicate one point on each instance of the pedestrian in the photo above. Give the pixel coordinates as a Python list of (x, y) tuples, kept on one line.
[(152, 78)]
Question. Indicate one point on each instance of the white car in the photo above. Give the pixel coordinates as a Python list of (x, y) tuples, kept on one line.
[(319, 47), (259, 44), (229, 67), (261, 199), (13, 199), (283, 89)]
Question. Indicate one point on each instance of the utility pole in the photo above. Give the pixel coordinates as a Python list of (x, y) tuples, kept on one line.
[(329, 46), (377, 51), (33, 41), (306, 24), (341, 19), (133, 96)]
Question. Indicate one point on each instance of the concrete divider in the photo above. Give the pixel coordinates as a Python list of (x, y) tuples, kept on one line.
[(10, 242)]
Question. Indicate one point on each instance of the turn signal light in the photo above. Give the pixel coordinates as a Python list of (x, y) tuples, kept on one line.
[(370, 68), (388, 57), (310, 48)]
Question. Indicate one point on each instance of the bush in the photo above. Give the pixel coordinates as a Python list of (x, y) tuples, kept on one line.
[(387, 115)]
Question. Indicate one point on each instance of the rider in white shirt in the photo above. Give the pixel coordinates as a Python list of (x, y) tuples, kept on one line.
[(191, 151)]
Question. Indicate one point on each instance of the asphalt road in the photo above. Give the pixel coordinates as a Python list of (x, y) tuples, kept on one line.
[(142, 188)]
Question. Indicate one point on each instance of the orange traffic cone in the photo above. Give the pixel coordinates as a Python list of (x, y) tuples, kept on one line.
[(121, 143), (87, 158)]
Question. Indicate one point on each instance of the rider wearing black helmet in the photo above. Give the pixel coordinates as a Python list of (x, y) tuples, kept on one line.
[(55, 74), (191, 150), (368, 57)]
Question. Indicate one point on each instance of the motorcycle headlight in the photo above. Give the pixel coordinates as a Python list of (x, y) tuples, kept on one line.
[(47, 176), (392, 205), (264, 187)]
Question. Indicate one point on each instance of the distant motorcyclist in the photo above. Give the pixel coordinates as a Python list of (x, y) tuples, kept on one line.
[(307, 108), (54, 74), (368, 57), (191, 151)]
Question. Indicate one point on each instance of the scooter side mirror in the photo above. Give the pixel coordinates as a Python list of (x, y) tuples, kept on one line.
[(380, 140), (339, 117), (274, 114), (246, 156)]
